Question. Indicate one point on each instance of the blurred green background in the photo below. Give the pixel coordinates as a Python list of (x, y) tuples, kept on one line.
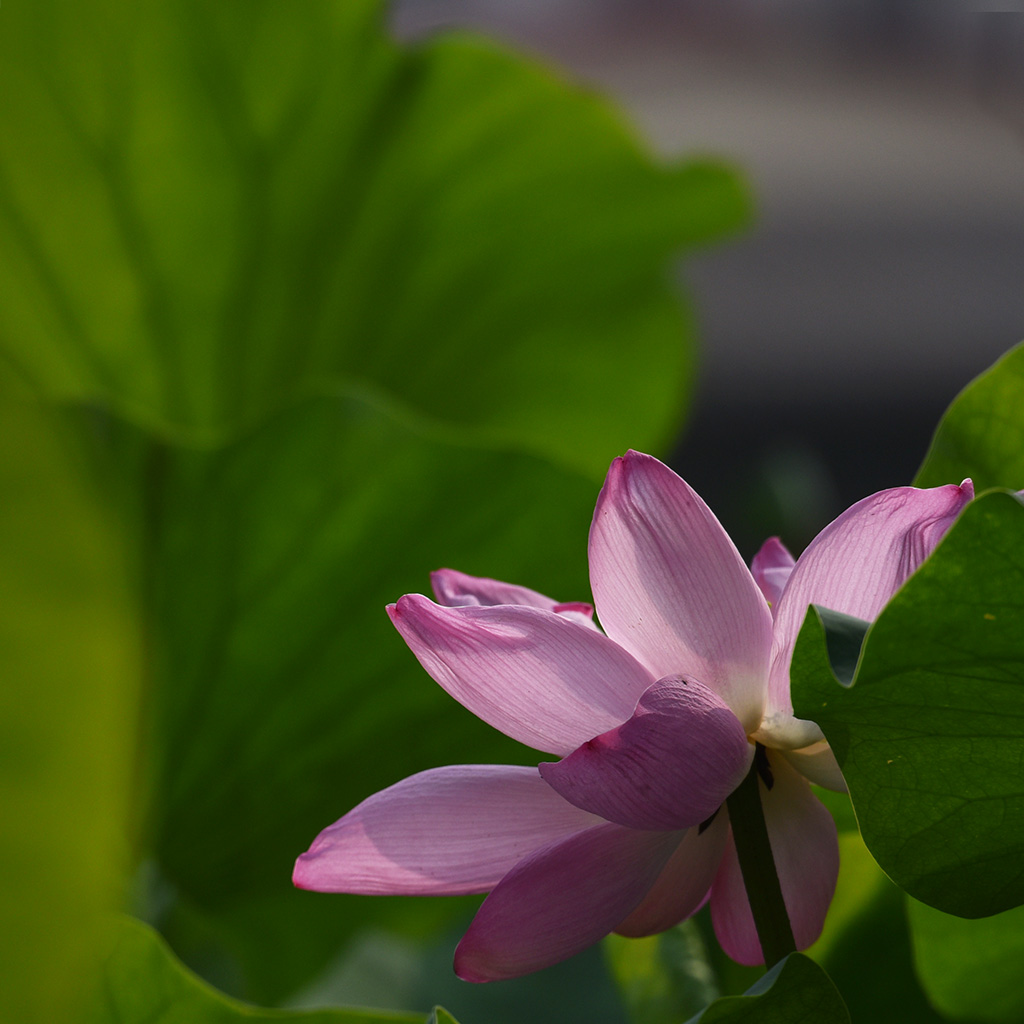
[(293, 315)]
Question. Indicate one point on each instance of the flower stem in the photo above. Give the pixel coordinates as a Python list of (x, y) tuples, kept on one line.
[(757, 864)]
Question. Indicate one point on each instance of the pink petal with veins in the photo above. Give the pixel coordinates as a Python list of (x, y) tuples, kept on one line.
[(854, 566), (771, 569), (669, 766), (806, 852), (670, 586), (442, 832), (560, 900), (456, 589), (682, 887), (535, 675)]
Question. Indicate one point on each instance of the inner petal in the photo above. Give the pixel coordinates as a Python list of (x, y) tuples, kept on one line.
[(671, 588), (669, 766)]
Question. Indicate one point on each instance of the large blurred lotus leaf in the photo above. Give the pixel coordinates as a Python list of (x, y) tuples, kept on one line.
[(970, 969), (207, 210), (293, 696), (795, 991), (982, 432), (71, 663), (286, 695), (144, 983), (930, 731)]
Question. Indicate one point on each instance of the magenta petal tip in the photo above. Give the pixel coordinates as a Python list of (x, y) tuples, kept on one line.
[(298, 874)]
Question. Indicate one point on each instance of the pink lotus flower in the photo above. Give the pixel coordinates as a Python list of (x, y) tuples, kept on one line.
[(654, 720)]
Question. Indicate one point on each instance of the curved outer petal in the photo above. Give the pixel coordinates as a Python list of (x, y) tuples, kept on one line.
[(561, 900), (818, 764), (806, 852), (535, 675), (442, 832), (456, 589), (670, 766), (670, 586), (682, 887), (854, 566), (771, 569)]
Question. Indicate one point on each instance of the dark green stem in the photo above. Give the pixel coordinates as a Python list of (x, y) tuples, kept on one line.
[(760, 878)]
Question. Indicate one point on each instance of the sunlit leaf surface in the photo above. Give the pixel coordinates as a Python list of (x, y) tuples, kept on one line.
[(208, 210)]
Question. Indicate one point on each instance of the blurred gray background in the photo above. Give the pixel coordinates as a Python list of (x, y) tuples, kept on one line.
[(884, 142)]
